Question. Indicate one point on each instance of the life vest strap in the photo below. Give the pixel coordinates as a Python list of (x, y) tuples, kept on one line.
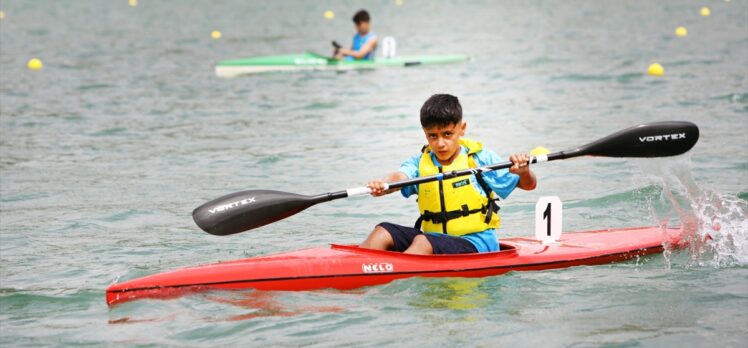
[(492, 198), (440, 217), (443, 213)]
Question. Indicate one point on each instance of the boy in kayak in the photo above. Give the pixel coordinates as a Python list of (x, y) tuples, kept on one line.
[(458, 215), (364, 42)]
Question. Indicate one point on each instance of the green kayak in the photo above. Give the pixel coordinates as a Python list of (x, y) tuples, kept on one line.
[(313, 61)]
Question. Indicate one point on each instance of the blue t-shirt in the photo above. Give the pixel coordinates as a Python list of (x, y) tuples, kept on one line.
[(358, 42), (500, 181)]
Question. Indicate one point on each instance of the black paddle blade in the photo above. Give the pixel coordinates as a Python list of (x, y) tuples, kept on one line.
[(654, 139), (245, 210)]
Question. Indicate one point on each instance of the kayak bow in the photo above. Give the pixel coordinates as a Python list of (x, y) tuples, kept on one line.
[(348, 267)]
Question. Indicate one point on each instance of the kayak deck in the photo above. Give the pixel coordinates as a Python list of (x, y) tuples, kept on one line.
[(348, 267), (314, 61)]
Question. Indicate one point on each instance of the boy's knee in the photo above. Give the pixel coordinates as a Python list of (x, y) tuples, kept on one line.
[(383, 225), (420, 245), (381, 233), (378, 230), (421, 240), (379, 238)]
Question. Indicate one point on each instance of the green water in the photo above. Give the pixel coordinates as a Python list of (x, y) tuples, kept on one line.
[(105, 152)]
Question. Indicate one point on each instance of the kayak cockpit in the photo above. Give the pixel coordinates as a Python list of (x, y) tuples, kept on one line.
[(506, 250)]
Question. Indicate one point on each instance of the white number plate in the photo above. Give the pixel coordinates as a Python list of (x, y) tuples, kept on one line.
[(548, 219)]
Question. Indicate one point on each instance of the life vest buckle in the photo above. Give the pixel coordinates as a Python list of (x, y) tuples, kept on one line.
[(465, 210)]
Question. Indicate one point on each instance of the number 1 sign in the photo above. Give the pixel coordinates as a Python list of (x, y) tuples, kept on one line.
[(548, 220)]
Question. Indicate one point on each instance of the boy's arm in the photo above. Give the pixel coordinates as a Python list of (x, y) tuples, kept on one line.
[(521, 167), (408, 170), (368, 47), (377, 186)]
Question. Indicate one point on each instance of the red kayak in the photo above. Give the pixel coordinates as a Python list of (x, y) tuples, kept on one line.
[(349, 267)]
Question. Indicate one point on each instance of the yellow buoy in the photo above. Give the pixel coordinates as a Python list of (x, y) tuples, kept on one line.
[(399, 2), (681, 32), (539, 151), (656, 70), (215, 34), (2, 14), (133, 3), (34, 64), (705, 11), (329, 15)]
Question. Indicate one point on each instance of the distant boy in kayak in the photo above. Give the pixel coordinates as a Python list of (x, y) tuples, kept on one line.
[(364, 42), (458, 215)]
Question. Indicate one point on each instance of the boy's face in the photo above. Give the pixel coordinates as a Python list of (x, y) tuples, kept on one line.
[(445, 141), (362, 27)]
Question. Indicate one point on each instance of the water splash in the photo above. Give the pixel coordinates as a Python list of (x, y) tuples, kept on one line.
[(715, 225)]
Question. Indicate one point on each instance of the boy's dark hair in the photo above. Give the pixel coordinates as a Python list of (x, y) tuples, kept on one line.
[(361, 16), (441, 110)]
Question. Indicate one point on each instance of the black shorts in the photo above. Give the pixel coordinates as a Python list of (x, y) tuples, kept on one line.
[(441, 243)]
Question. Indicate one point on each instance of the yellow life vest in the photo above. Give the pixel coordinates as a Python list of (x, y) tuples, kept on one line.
[(454, 206)]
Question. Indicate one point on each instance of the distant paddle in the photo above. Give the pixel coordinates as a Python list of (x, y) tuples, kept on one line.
[(246, 210), (337, 46)]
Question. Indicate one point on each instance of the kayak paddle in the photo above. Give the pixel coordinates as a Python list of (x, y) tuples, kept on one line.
[(246, 210)]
